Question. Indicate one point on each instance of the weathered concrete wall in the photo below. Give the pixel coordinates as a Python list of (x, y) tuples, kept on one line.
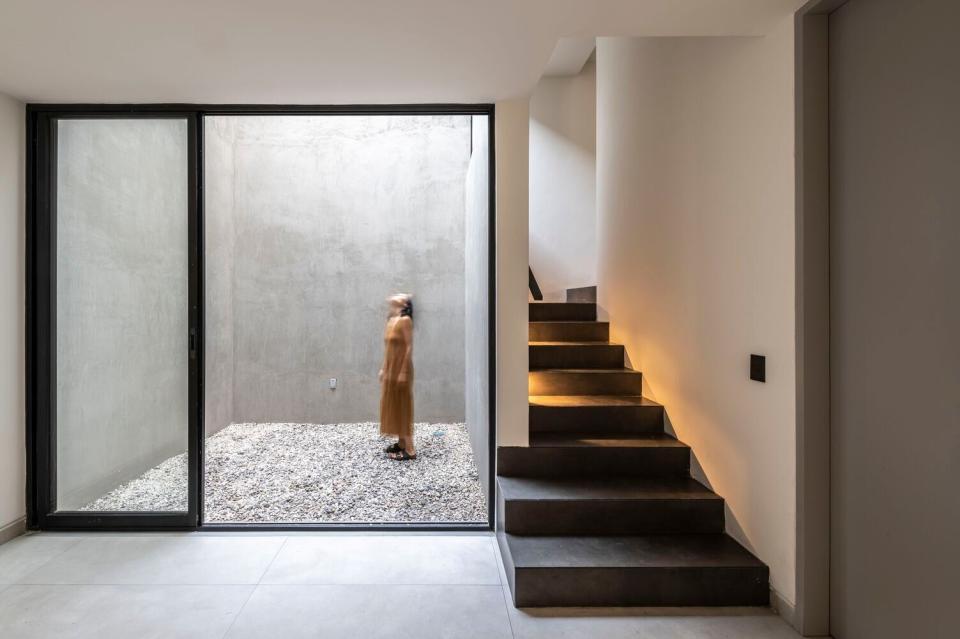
[(121, 301), (477, 300), (331, 215), (219, 266)]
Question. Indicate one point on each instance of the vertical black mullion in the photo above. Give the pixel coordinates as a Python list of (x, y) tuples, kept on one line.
[(492, 317), (30, 324), (193, 323), (50, 128), (198, 440), (44, 299)]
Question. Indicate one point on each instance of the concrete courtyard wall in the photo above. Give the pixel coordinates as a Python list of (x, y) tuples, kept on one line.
[(319, 219), (218, 293), (476, 299), (121, 302)]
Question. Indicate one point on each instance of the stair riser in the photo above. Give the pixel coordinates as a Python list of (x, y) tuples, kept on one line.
[(569, 332), (610, 517), (596, 419), (560, 312), (599, 383), (649, 586), (509, 569), (577, 356), (515, 461)]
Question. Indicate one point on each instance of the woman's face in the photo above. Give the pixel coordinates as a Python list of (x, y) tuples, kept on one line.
[(396, 305)]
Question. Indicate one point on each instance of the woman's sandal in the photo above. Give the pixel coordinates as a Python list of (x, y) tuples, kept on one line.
[(402, 455), (392, 448)]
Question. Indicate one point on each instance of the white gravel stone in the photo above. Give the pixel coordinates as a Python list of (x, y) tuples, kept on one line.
[(322, 473)]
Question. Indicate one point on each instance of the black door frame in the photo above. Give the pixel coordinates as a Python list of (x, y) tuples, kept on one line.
[(41, 312)]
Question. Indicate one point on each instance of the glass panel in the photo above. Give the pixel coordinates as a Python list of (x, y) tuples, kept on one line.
[(311, 222), (122, 315)]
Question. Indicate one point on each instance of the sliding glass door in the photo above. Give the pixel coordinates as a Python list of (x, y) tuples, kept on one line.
[(116, 349), (117, 307)]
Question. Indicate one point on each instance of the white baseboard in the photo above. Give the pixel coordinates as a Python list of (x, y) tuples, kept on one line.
[(13, 529), (783, 608)]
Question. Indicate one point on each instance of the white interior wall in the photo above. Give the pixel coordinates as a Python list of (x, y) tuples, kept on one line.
[(511, 142), (563, 169), (12, 455), (695, 206)]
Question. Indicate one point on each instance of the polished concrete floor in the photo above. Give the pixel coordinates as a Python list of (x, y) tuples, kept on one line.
[(213, 585)]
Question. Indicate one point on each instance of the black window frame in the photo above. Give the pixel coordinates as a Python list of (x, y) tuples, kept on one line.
[(40, 320)]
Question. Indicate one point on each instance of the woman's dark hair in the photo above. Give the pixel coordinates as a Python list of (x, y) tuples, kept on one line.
[(407, 310)]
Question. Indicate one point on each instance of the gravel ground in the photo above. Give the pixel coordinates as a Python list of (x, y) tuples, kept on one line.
[(318, 473)]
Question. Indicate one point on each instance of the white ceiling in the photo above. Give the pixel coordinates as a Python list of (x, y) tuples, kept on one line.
[(323, 51), (569, 55)]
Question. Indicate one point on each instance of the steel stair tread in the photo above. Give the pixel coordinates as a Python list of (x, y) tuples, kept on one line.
[(603, 489), (598, 371), (586, 401), (716, 550), (573, 344), (590, 440)]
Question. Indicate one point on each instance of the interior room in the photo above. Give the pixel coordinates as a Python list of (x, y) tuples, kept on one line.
[(500, 320)]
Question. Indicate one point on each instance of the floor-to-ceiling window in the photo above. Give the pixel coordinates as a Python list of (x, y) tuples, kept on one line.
[(207, 308)]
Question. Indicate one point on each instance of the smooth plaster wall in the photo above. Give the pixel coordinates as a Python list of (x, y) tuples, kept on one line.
[(12, 452), (476, 298), (331, 215), (563, 170), (512, 150), (895, 355), (695, 207), (122, 343)]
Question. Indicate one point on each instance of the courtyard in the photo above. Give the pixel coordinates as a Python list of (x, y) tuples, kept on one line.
[(317, 473)]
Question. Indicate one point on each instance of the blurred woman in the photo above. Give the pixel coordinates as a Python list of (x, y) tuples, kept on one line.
[(396, 379)]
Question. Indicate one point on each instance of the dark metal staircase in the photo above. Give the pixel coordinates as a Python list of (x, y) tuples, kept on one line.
[(600, 509)]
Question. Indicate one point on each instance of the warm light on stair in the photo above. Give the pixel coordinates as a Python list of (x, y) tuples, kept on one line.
[(600, 508)]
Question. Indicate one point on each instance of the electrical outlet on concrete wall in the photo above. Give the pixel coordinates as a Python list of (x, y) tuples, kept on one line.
[(333, 383)]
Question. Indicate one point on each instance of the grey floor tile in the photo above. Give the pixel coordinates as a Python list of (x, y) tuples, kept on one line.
[(160, 560), (373, 612), (119, 612), (21, 556), (401, 559), (648, 623)]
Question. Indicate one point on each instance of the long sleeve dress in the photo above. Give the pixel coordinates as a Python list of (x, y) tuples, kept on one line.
[(396, 397)]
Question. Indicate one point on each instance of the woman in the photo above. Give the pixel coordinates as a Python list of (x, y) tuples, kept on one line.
[(396, 378)]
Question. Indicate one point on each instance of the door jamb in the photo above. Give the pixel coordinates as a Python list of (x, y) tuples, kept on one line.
[(811, 616)]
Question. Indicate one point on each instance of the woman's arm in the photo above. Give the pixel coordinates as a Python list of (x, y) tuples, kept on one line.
[(405, 324), (383, 364)]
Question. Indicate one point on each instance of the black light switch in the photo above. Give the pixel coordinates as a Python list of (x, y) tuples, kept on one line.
[(758, 368)]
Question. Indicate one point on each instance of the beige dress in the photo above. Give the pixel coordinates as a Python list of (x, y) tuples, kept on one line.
[(396, 397)]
